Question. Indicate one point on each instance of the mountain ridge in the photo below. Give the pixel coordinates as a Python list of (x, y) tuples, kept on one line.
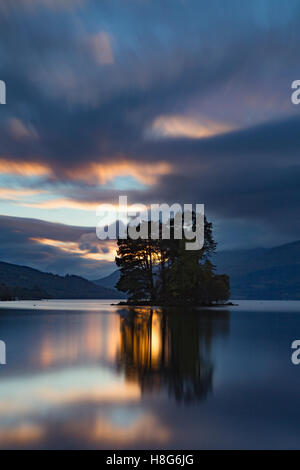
[(26, 282)]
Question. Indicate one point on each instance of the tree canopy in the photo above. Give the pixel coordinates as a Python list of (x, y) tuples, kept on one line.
[(162, 272)]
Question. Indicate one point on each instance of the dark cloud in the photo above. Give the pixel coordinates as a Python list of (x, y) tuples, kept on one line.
[(170, 57), (251, 174)]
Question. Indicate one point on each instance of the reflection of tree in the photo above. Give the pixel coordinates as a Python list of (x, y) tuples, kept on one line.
[(165, 349)]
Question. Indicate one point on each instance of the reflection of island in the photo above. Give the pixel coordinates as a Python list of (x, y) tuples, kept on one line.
[(156, 349), (170, 350)]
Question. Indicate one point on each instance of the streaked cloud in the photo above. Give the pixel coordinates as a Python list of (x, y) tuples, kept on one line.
[(128, 97), (145, 172), (24, 168), (18, 194), (77, 249), (184, 126)]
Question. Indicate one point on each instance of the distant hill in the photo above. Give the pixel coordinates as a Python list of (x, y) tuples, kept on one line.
[(262, 273), (259, 273), (29, 283), (109, 281)]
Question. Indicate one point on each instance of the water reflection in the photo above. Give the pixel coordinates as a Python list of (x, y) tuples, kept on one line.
[(170, 349), (89, 339), (113, 378), (98, 378)]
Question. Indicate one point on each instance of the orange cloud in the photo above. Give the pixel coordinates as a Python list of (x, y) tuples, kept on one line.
[(16, 194), (24, 168), (146, 173), (74, 248), (183, 126)]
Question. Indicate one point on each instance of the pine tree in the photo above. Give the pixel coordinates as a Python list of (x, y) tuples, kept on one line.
[(163, 272)]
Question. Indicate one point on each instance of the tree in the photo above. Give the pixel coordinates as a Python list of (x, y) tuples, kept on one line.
[(6, 292), (163, 272), (219, 288), (136, 260)]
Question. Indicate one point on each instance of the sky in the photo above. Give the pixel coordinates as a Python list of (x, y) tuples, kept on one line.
[(165, 101)]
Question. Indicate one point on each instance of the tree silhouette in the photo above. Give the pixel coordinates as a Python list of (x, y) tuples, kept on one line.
[(162, 272)]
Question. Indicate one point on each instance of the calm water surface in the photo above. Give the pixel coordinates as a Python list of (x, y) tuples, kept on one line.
[(85, 374)]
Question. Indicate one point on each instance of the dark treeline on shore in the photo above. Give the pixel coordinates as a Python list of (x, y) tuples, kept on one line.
[(162, 272), (17, 292)]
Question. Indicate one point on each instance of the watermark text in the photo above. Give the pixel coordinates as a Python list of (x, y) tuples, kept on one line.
[(137, 221), (2, 92), (2, 353), (295, 98)]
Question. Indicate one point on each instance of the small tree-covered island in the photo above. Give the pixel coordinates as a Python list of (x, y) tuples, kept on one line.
[(162, 272)]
